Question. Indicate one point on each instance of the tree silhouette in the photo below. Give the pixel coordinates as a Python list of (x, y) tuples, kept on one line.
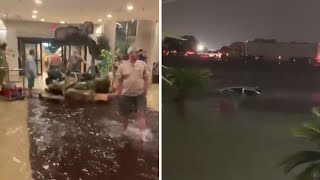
[(190, 42)]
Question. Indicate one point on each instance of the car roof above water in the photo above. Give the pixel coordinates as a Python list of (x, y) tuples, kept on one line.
[(255, 88)]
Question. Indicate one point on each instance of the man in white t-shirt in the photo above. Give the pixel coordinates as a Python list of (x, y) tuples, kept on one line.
[(132, 76)]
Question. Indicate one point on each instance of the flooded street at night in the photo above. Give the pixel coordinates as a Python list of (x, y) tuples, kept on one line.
[(248, 141), (85, 142)]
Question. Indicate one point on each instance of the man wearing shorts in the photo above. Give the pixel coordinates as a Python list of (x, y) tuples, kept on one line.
[(31, 70), (132, 76)]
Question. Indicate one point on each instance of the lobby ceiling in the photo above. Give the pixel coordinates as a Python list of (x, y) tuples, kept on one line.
[(78, 11)]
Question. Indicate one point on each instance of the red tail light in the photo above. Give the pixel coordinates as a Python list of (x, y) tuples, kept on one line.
[(188, 53)]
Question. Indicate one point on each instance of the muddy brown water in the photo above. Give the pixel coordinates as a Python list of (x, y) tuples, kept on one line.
[(84, 142), (244, 144)]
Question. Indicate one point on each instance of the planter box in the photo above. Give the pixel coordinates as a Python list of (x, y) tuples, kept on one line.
[(74, 95), (103, 97), (97, 97), (50, 97)]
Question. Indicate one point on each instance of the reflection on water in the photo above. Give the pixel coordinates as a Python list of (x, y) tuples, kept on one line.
[(213, 144), (85, 142), (241, 142)]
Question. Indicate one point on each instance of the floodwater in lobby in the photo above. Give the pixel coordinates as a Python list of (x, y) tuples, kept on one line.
[(56, 140), (85, 142), (57, 50)]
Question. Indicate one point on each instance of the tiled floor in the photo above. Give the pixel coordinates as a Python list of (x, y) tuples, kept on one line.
[(14, 139)]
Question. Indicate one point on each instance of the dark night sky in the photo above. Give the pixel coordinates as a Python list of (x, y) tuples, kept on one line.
[(220, 22)]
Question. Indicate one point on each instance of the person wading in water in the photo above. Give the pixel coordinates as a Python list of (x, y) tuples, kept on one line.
[(31, 70), (132, 76)]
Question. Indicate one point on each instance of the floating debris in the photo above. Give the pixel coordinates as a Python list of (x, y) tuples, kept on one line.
[(90, 138), (46, 167)]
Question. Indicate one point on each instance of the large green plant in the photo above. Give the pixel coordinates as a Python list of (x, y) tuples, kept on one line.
[(106, 61), (309, 131), (185, 80), (165, 69)]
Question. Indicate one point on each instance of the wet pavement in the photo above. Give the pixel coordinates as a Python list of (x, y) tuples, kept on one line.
[(85, 142)]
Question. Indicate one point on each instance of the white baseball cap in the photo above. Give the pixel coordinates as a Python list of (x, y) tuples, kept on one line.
[(132, 49)]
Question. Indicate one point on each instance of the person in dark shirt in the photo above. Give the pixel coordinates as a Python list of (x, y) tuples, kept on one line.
[(74, 64), (3, 63)]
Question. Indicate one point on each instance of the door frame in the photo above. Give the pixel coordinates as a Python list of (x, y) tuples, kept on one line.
[(38, 57), (35, 40), (22, 41)]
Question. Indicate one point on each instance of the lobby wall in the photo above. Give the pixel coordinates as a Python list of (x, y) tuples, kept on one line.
[(147, 38), (17, 29)]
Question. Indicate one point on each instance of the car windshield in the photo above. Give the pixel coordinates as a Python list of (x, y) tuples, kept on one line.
[(237, 91), (250, 92)]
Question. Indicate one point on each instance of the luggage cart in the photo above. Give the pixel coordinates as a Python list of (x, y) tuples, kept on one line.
[(14, 98)]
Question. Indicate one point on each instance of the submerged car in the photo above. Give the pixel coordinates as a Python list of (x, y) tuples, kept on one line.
[(240, 91)]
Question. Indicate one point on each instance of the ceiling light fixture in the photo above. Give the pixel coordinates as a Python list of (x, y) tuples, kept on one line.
[(38, 2), (130, 7), (118, 24), (35, 12), (99, 20), (34, 16), (109, 16), (42, 20), (62, 22)]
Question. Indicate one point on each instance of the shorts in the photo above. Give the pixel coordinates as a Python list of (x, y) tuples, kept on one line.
[(127, 104), (30, 82)]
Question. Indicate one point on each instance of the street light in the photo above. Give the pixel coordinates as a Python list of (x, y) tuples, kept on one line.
[(200, 47)]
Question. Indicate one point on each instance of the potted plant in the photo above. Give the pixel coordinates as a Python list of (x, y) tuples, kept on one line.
[(308, 159), (106, 63), (185, 80)]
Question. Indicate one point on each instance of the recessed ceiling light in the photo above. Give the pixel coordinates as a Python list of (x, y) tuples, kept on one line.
[(130, 7), (35, 11), (62, 22), (99, 20), (34, 16), (42, 20), (38, 2), (109, 16)]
